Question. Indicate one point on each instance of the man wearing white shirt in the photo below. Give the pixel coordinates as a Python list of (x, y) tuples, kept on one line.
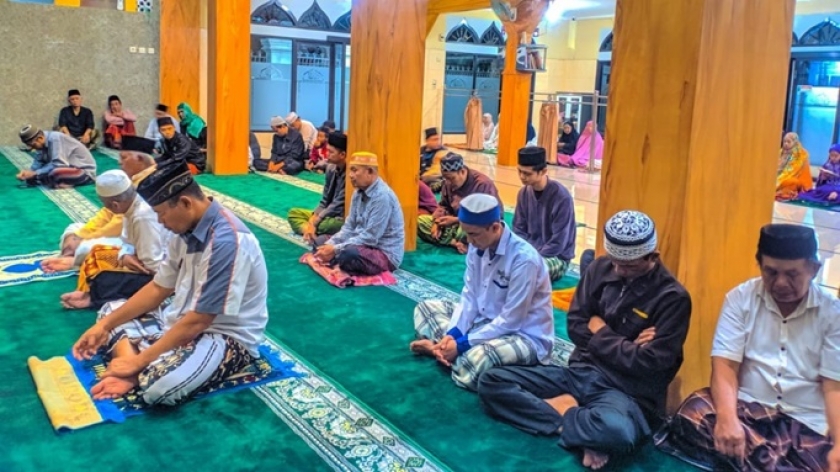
[(152, 131), (143, 246), (306, 128), (504, 316), (774, 398)]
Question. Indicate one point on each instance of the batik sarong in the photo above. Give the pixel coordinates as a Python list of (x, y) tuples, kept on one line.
[(774, 440)]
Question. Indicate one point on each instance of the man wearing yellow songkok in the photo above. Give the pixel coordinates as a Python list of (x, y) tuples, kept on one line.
[(372, 239)]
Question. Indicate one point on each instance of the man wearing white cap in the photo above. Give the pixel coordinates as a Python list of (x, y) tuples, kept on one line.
[(134, 264), (288, 151), (628, 321), (504, 316), (306, 129)]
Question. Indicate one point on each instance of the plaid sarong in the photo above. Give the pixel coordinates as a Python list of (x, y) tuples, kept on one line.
[(774, 440), (556, 267), (431, 321), (448, 235)]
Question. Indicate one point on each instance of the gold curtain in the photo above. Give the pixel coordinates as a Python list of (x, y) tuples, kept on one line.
[(547, 137), (475, 128)]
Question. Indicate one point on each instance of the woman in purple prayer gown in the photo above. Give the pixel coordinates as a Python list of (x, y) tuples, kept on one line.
[(827, 191)]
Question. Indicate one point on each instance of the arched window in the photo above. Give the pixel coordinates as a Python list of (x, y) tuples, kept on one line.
[(824, 34), (492, 35), (462, 34), (273, 13), (795, 40), (606, 45), (343, 23), (315, 18)]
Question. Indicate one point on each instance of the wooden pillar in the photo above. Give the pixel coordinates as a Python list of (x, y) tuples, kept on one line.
[(695, 116), (388, 43), (180, 37), (513, 116), (229, 85)]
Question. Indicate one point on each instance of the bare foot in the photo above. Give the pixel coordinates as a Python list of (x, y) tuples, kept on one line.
[(594, 460), (75, 300), (112, 387), (562, 403), (422, 347)]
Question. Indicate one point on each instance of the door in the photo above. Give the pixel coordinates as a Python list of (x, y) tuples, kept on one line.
[(812, 109)]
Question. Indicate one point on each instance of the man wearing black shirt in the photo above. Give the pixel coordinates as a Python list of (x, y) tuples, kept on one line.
[(77, 121), (628, 321)]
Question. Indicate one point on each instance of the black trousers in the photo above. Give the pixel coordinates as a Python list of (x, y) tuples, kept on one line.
[(606, 420)]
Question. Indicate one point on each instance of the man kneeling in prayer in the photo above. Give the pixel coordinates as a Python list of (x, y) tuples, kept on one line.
[(628, 321), (372, 239), (774, 401), (216, 320), (504, 316)]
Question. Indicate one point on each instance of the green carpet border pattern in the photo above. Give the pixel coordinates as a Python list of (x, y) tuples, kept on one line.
[(343, 432)]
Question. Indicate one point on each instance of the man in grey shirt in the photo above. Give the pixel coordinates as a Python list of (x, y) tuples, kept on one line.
[(372, 239), (60, 162)]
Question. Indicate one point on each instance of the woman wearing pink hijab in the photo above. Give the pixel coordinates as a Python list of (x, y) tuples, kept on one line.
[(584, 147)]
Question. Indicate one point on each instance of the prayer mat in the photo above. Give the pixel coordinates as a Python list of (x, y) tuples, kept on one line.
[(64, 383), (339, 278), (562, 299), (22, 269)]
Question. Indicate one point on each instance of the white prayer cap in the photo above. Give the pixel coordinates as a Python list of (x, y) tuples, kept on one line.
[(629, 235), (292, 117), (67, 232), (277, 121), (479, 209), (112, 183)]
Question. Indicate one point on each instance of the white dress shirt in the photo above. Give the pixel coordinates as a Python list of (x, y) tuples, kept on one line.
[(309, 134), (143, 235), (506, 293), (782, 359)]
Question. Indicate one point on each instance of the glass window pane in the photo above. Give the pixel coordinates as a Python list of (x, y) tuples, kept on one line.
[(313, 82), (346, 86), (271, 79), (814, 106)]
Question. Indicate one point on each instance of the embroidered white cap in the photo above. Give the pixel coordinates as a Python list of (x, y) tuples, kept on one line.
[(112, 183)]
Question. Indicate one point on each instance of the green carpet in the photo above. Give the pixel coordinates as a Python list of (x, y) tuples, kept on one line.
[(358, 340), (35, 325)]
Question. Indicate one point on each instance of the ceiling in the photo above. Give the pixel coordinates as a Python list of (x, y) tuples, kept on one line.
[(599, 8)]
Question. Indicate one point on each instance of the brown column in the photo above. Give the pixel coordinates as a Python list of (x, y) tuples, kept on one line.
[(229, 85), (386, 107), (180, 38), (695, 117), (513, 116)]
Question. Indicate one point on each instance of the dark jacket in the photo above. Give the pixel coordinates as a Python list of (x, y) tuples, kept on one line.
[(289, 149), (655, 299), (181, 149)]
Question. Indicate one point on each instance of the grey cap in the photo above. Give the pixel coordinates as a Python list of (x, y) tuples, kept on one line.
[(28, 133)]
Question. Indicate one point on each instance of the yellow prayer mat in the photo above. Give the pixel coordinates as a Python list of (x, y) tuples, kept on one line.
[(562, 299), (25, 268), (67, 401)]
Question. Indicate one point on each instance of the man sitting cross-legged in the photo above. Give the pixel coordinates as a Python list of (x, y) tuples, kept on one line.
[(105, 227), (628, 321), (372, 239), (176, 148), (441, 228), (504, 316), (60, 162), (143, 247), (216, 321), (545, 213), (774, 401), (328, 217)]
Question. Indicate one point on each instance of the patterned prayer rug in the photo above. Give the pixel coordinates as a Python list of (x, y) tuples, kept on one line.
[(22, 269), (339, 278), (64, 383)]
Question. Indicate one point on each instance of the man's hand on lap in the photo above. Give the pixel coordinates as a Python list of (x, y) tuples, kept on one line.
[(596, 323)]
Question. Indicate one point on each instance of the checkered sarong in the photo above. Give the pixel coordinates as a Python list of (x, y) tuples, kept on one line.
[(556, 267), (774, 440), (431, 321)]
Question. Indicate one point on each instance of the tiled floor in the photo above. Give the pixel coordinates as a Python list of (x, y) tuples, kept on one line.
[(585, 188)]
